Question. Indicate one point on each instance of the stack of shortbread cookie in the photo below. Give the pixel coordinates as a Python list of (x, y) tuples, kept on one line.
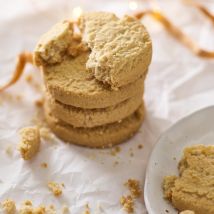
[(94, 71)]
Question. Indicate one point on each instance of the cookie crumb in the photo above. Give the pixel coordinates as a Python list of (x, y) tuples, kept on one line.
[(116, 163), (41, 210), (26, 207), (50, 209), (39, 103), (65, 209), (87, 209), (115, 150), (44, 165), (45, 133), (9, 151), (29, 78), (140, 146), (30, 142), (131, 154), (134, 187), (55, 188), (18, 97), (9, 206), (128, 203)]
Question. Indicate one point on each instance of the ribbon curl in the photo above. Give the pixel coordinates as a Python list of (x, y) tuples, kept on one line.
[(22, 59), (201, 8), (176, 33)]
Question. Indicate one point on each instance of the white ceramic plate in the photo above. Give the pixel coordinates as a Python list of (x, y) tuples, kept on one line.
[(198, 128)]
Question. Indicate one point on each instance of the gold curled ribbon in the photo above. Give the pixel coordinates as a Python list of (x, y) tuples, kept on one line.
[(22, 59), (176, 33), (201, 8)]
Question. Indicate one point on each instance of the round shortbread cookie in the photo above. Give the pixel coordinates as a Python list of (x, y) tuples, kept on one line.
[(121, 49), (101, 136), (70, 83), (79, 117)]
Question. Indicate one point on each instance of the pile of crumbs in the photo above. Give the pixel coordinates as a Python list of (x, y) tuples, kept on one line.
[(128, 202), (55, 188), (9, 207), (6, 97), (134, 187)]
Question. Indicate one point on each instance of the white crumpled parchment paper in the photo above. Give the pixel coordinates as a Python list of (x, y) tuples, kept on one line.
[(178, 84)]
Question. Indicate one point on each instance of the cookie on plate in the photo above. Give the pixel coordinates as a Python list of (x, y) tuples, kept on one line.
[(194, 188)]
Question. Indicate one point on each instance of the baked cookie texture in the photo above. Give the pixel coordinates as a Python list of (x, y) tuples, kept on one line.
[(194, 188), (8, 206), (90, 23), (71, 83), (97, 137), (52, 46), (121, 52), (94, 71), (187, 212), (79, 117)]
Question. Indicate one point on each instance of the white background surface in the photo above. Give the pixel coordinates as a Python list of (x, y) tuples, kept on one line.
[(178, 84)]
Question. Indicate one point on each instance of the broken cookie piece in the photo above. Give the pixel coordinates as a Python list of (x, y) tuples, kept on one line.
[(193, 189), (53, 45), (56, 44), (8, 206), (55, 188), (121, 52), (121, 49), (30, 142)]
